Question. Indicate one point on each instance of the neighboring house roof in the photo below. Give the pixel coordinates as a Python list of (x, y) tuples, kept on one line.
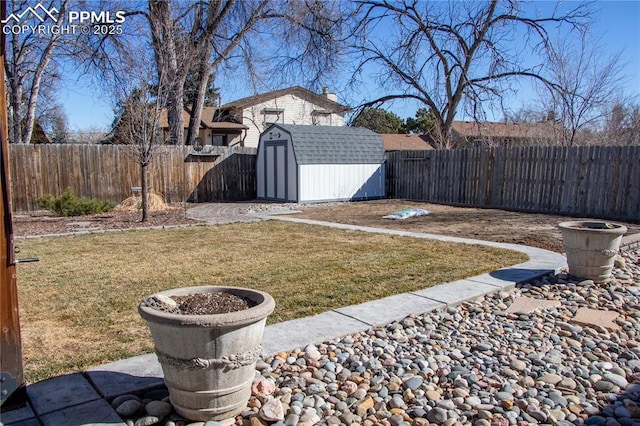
[(405, 142), (206, 121), (227, 125), (473, 129), (295, 90), (333, 144)]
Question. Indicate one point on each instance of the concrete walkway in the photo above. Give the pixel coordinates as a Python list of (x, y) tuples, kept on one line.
[(82, 399)]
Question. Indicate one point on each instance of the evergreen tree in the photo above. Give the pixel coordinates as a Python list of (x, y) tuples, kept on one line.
[(379, 120), (423, 124)]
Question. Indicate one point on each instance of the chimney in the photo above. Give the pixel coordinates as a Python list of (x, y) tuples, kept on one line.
[(331, 96)]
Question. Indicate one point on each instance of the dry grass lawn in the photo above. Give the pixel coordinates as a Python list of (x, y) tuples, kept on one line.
[(78, 305)]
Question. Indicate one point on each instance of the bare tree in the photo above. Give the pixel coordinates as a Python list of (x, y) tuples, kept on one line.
[(28, 59), (451, 54), (206, 36), (172, 62), (227, 24), (186, 39), (310, 40), (140, 106), (622, 125), (193, 42), (534, 126), (55, 123), (140, 128), (109, 56), (587, 79)]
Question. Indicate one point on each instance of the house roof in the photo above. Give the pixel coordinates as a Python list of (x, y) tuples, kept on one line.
[(332, 144), (404, 142), (473, 129), (206, 121), (226, 125), (295, 90)]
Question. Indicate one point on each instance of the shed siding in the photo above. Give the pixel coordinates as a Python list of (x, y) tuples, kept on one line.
[(332, 182), (296, 111)]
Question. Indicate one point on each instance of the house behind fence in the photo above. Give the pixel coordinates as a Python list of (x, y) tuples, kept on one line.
[(240, 122)]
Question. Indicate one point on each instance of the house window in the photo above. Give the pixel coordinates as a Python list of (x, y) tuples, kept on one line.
[(271, 116), (218, 140), (321, 117)]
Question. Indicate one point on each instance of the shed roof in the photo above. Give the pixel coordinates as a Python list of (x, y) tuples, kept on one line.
[(333, 144)]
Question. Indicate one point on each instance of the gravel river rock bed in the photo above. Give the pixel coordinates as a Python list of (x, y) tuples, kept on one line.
[(573, 361)]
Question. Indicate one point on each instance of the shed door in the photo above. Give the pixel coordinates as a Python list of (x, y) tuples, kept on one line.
[(275, 169)]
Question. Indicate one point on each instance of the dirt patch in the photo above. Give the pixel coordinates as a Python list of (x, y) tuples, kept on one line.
[(537, 230), (199, 303), (211, 303), (44, 222)]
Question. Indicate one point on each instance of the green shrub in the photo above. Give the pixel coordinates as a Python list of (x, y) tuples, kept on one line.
[(68, 204)]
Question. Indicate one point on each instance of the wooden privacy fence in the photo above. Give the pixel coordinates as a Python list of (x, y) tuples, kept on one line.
[(584, 181), (109, 172), (591, 181)]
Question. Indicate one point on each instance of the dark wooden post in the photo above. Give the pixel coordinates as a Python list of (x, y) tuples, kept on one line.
[(11, 369)]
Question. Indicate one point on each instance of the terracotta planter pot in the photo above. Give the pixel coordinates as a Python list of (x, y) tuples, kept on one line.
[(591, 248), (209, 361)]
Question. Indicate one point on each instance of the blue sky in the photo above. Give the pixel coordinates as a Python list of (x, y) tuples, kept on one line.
[(620, 27), (86, 107), (618, 24)]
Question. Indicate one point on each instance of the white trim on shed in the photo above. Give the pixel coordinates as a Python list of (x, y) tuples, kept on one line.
[(300, 163)]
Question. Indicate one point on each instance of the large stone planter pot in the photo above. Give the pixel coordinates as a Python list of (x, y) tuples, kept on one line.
[(591, 248), (209, 361)]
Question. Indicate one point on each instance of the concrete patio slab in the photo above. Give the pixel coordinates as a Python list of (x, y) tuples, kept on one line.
[(60, 392), (22, 416), (27, 422), (94, 413), (135, 374)]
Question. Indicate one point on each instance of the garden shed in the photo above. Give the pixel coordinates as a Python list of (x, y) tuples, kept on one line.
[(297, 163)]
